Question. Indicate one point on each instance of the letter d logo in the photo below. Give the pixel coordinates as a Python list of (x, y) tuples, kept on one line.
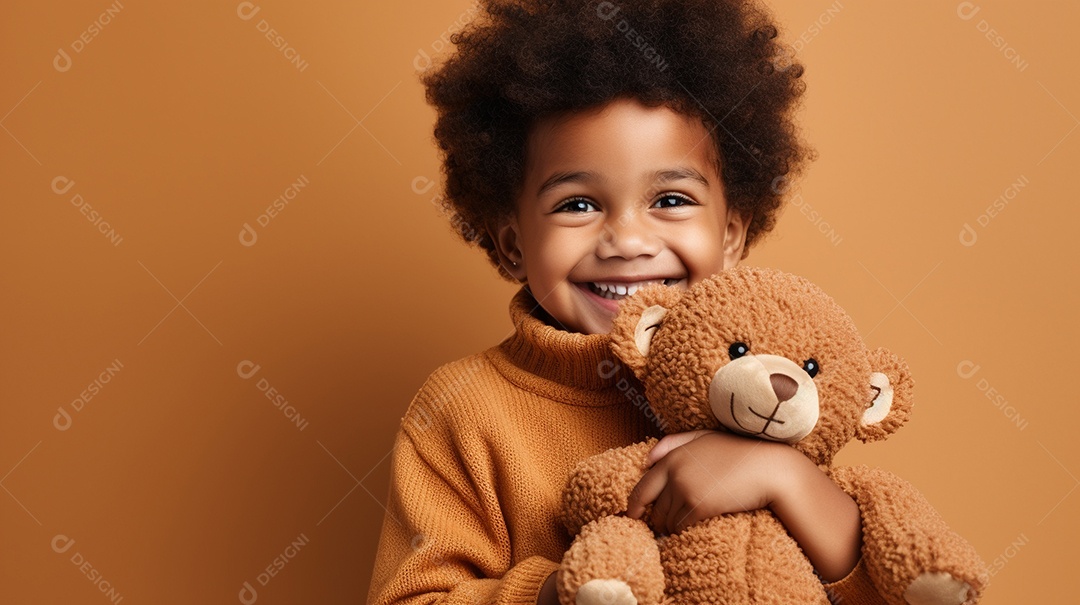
[(421, 61), (966, 10), (248, 237), (607, 10), (422, 184), (246, 10), (246, 369), (62, 543), (62, 420), (62, 61), (968, 237), (61, 185), (607, 368), (248, 594), (966, 369)]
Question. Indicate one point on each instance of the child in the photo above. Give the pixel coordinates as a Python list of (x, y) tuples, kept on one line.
[(591, 147)]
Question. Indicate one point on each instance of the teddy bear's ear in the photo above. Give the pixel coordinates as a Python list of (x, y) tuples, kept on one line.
[(892, 401), (638, 319)]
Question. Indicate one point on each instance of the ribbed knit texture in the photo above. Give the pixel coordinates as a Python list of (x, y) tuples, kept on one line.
[(481, 459)]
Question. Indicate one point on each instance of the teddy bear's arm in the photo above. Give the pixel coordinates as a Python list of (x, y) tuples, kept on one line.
[(600, 485), (911, 554)]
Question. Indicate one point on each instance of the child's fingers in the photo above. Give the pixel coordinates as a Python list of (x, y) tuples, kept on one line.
[(684, 517), (670, 442), (660, 510), (646, 491)]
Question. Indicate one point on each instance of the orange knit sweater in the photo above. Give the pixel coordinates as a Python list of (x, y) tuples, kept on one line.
[(482, 456)]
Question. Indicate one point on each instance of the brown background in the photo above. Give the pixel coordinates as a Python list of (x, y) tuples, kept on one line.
[(178, 123)]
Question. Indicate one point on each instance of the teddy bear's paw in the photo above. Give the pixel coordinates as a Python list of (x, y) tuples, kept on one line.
[(937, 588), (605, 592)]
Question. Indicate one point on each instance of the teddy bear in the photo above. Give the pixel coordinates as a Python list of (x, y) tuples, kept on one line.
[(765, 354)]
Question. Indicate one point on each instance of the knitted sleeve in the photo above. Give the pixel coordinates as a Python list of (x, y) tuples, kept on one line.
[(443, 537), (855, 589)]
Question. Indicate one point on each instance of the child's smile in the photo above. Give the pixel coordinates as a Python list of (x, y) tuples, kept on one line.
[(610, 292), (614, 198)]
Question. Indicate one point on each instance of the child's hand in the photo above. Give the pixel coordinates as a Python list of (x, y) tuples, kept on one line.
[(702, 474), (548, 593)]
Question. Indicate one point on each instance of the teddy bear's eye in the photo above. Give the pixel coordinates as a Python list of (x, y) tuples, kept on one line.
[(811, 366), (738, 349)]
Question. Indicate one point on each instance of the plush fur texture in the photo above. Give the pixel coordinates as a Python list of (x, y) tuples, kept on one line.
[(909, 552)]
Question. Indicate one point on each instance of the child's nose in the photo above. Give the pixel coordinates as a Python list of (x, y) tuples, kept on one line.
[(627, 236)]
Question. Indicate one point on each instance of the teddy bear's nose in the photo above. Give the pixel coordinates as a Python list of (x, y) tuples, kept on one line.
[(784, 386)]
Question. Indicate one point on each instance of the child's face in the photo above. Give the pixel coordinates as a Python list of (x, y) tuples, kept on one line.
[(613, 198)]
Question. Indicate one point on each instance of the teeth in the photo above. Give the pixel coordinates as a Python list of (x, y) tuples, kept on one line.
[(619, 291)]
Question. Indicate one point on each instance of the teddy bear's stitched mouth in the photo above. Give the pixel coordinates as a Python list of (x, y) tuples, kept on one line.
[(768, 419)]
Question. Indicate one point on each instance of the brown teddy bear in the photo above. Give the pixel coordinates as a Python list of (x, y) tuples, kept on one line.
[(767, 354)]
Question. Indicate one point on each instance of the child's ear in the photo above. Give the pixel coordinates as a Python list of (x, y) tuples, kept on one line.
[(735, 237), (893, 388), (638, 319), (505, 236)]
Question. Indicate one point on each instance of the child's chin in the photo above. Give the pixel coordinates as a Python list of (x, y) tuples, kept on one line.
[(598, 323)]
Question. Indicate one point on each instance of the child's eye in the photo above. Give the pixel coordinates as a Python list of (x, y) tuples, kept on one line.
[(670, 200), (576, 205)]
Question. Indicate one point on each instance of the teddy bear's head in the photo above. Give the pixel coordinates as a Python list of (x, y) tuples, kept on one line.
[(761, 353)]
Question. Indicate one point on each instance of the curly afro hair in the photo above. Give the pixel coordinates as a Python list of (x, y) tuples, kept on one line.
[(521, 60)]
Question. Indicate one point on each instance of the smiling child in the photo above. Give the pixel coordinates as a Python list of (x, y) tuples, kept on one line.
[(584, 167)]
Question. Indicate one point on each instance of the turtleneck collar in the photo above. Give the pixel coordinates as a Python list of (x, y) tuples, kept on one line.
[(575, 368)]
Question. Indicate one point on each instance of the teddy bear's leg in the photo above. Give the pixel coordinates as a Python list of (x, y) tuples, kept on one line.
[(613, 561), (911, 554)]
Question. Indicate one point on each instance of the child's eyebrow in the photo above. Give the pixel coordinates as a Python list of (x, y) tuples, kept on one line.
[(660, 176), (679, 173), (566, 177)]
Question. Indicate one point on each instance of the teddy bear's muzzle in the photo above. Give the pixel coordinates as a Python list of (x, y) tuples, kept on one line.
[(765, 396)]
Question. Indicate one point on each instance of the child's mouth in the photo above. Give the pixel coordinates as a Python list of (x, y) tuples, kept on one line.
[(619, 291)]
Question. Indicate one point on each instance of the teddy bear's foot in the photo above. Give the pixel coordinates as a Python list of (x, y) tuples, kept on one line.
[(606, 592), (613, 561), (937, 588)]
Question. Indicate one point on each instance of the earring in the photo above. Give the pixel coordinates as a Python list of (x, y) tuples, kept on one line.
[(513, 263)]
